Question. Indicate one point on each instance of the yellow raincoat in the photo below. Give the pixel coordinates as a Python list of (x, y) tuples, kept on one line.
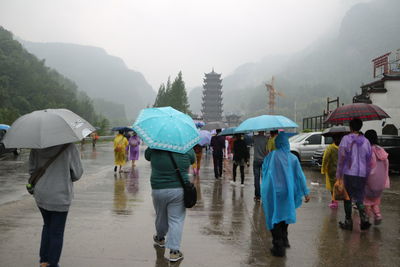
[(329, 164), (120, 144)]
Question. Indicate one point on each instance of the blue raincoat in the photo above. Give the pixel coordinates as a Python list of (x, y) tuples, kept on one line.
[(283, 184)]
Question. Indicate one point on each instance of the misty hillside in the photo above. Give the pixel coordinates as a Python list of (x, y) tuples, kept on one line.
[(27, 84), (99, 74), (328, 68)]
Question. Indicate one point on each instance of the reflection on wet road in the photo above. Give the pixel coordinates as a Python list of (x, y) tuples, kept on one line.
[(111, 221)]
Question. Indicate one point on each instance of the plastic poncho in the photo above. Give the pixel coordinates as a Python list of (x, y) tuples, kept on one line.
[(283, 184), (329, 164), (119, 156), (378, 178)]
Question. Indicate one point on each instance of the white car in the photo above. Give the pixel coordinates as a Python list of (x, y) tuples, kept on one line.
[(304, 145)]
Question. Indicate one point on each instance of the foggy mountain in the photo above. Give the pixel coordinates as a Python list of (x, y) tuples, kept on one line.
[(328, 68), (103, 77)]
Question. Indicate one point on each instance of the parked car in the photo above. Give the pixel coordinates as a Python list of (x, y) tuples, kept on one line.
[(304, 145), (3, 149), (391, 143)]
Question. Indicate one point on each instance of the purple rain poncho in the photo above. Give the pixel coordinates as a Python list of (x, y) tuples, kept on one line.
[(283, 184), (354, 156), (133, 148)]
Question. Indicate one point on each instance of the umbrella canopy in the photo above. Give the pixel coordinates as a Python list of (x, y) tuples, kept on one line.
[(363, 111), (4, 127), (205, 137), (228, 131), (122, 128), (214, 125), (336, 130), (46, 128), (199, 124), (266, 123), (166, 129)]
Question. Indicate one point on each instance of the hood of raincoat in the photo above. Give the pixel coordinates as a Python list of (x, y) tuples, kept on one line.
[(282, 142), (379, 152), (358, 139)]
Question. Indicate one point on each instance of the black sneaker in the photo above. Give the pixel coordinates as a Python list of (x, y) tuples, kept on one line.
[(160, 242), (365, 225), (346, 225), (175, 255)]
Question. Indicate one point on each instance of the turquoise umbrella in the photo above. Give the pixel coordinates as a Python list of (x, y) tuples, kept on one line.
[(166, 129), (266, 123), (228, 131)]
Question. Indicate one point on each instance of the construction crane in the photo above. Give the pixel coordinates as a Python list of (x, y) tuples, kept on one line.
[(272, 93)]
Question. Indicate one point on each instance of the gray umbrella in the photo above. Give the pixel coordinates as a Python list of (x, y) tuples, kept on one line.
[(46, 128), (214, 125), (336, 130)]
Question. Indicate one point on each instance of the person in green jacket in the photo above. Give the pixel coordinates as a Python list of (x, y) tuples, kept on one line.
[(167, 194)]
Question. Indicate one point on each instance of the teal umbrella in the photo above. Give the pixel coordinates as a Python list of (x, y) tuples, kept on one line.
[(266, 123), (166, 129), (228, 131)]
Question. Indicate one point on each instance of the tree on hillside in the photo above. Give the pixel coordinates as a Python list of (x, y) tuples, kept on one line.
[(173, 95)]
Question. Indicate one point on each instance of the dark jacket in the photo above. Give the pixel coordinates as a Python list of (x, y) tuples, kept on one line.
[(240, 150), (217, 144)]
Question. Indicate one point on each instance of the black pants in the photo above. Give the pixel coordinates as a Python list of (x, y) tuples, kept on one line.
[(52, 236), (241, 172), (280, 234), (218, 161)]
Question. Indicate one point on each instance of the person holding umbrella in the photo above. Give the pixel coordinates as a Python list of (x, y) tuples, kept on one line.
[(133, 148), (170, 135), (55, 163), (120, 144), (240, 158), (218, 146), (353, 167)]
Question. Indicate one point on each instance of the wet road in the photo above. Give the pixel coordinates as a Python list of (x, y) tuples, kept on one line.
[(111, 222)]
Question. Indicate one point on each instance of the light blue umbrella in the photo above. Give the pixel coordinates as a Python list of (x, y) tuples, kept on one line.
[(266, 123), (166, 129), (228, 131), (4, 127), (205, 137)]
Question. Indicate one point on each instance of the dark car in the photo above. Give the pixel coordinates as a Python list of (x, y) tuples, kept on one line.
[(3, 149), (391, 143)]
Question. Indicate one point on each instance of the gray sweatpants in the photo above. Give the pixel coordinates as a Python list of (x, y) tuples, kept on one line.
[(170, 215)]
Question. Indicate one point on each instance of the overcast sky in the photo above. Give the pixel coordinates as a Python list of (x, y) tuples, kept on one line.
[(161, 37)]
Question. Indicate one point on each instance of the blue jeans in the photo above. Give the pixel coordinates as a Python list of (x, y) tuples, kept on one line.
[(52, 236), (170, 215), (257, 167)]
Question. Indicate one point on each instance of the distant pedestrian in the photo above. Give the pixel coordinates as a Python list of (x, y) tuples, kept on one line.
[(354, 167), (198, 150), (167, 193), (218, 146), (94, 137), (329, 165), (260, 152), (240, 158), (378, 178), (271, 140), (133, 148), (53, 194), (120, 144), (282, 189)]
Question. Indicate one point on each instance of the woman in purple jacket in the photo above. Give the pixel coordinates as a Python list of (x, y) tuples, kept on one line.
[(353, 167)]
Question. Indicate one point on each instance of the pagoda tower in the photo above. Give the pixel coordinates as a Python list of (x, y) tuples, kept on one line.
[(212, 97)]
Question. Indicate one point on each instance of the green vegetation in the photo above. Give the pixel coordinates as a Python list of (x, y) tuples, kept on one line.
[(173, 95), (26, 84)]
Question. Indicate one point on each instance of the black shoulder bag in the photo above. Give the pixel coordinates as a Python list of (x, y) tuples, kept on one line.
[(35, 176), (189, 190)]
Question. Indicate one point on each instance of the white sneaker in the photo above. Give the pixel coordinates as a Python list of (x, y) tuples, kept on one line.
[(233, 183), (242, 185)]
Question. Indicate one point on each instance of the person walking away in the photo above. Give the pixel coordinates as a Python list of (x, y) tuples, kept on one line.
[(231, 140), (260, 152), (94, 137), (53, 195), (240, 158), (218, 145), (120, 144), (167, 194), (282, 189), (329, 165), (198, 150), (353, 167), (271, 140), (378, 178), (133, 148)]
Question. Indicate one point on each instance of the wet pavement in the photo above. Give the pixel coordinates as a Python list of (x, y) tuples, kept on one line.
[(111, 222)]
